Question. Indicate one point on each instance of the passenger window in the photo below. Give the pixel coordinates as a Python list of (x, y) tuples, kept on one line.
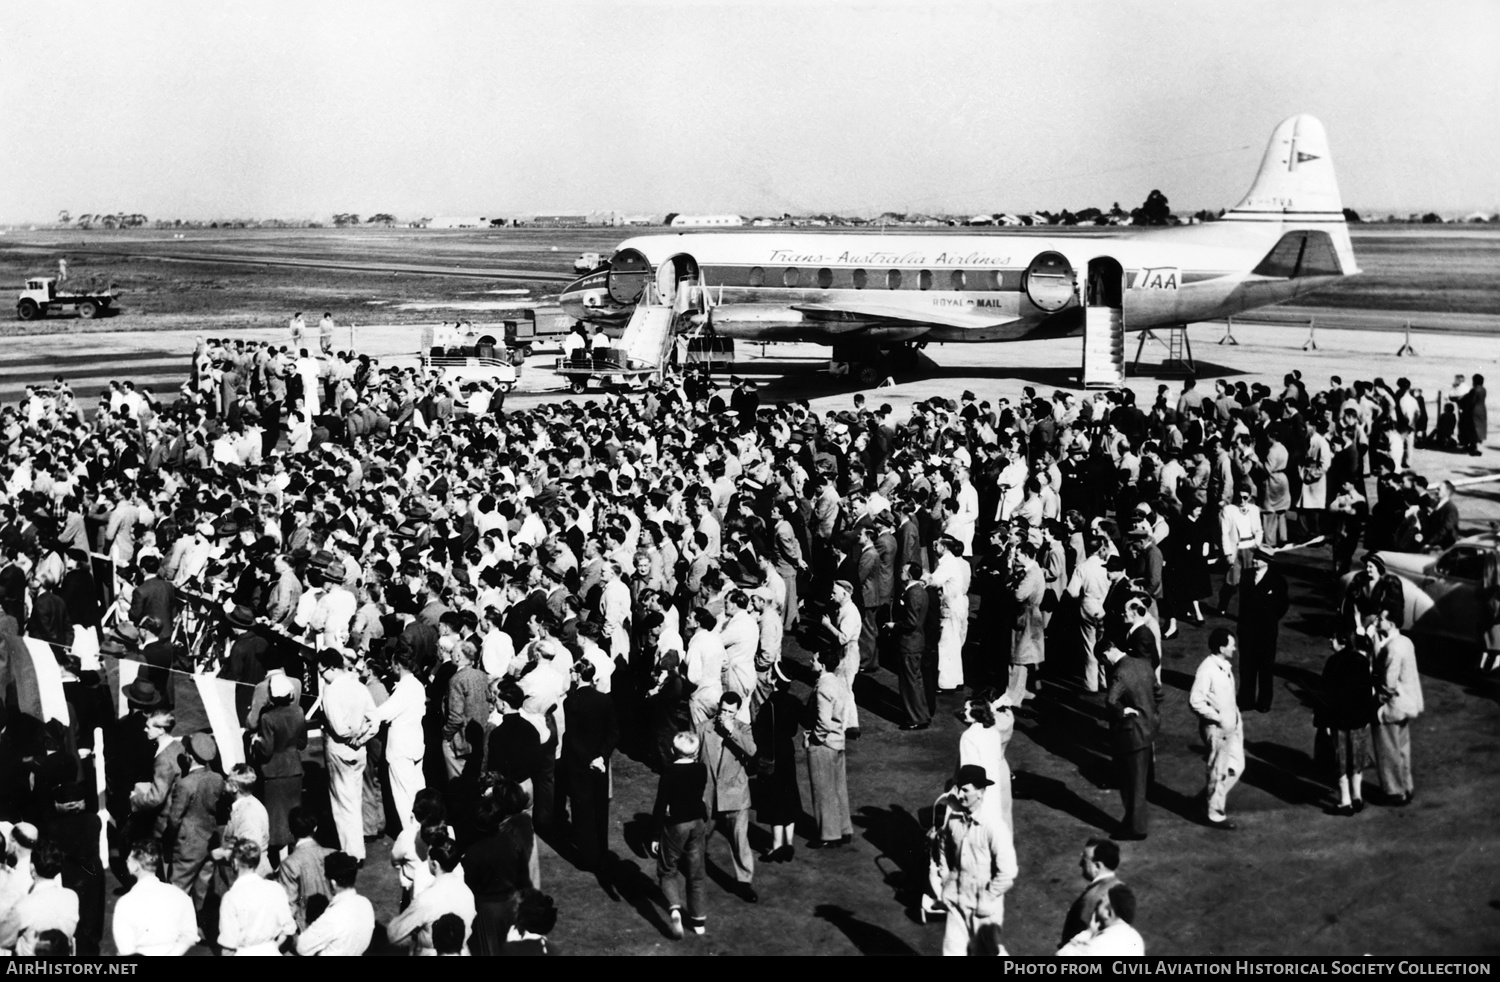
[(757, 276), (1462, 563), (996, 281), (893, 279), (860, 279), (956, 279), (924, 280), (825, 278), (790, 277)]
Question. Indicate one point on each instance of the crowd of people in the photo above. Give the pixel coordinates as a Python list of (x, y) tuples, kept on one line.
[(476, 608)]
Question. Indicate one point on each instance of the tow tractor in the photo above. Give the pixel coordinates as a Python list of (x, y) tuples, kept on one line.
[(41, 295)]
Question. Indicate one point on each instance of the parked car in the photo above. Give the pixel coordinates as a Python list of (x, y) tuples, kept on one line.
[(1440, 591)]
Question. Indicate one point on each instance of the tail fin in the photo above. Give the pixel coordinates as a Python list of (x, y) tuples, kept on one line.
[(1295, 183)]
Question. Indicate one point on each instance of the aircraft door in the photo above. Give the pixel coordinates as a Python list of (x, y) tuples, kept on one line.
[(1048, 282), (629, 271), (677, 273), (1106, 283)]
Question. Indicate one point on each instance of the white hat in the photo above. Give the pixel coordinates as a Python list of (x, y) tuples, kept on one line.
[(280, 687)]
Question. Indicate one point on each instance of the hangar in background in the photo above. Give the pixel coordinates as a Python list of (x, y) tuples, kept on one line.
[(706, 221)]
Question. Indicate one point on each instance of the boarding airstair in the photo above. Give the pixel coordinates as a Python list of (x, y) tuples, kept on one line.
[(642, 352), (1103, 348)]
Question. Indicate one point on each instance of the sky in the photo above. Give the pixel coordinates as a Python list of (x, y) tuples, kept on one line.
[(260, 109)]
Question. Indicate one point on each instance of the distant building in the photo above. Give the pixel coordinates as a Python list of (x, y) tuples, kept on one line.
[(562, 219), (453, 221), (706, 221)]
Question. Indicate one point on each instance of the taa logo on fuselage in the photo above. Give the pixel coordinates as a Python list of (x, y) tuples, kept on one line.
[(1158, 278)]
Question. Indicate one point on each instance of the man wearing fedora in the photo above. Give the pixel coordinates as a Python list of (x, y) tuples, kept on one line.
[(975, 863), (249, 659), (128, 760), (1263, 603), (192, 819)]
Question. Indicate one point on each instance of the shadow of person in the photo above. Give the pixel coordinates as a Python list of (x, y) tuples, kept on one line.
[(867, 938), (902, 839), (628, 882), (637, 834), (875, 698), (1054, 794), (1286, 773)]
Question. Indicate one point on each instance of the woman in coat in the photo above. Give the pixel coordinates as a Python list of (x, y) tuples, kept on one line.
[(1313, 501), (1185, 570), (1345, 714), (280, 738), (1027, 639), (983, 743), (498, 864), (778, 802), (1370, 591)]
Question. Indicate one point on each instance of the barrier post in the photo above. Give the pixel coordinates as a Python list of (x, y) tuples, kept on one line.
[(1406, 348), (1311, 344)]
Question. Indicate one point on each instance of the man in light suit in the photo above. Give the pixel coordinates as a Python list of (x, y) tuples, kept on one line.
[(1398, 690), (726, 747), (1213, 700)]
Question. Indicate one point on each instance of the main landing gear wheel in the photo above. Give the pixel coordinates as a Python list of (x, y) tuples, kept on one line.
[(868, 374)]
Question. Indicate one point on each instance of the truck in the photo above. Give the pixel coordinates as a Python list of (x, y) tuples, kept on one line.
[(588, 262), (41, 295)]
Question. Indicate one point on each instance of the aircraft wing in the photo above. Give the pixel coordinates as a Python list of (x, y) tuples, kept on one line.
[(873, 311)]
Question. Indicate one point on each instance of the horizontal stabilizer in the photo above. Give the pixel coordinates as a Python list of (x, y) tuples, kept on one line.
[(905, 315)]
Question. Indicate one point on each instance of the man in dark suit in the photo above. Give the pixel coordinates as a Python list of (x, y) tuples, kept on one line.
[(77, 829), (13, 585), (1098, 863), (1440, 528), (909, 548), (249, 659), (886, 548), (590, 734), (867, 568), (910, 631), (1134, 695), (1263, 603), (155, 596)]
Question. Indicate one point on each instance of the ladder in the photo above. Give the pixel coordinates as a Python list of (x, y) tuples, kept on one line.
[(1179, 358), (1103, 348)]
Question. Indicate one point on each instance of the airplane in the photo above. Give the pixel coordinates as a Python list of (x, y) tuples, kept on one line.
[(877, 298)]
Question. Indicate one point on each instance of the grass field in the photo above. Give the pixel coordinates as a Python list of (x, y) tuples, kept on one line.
[(202, 282)]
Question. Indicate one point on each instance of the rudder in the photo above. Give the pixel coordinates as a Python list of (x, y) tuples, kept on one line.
[(1295, 183)]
